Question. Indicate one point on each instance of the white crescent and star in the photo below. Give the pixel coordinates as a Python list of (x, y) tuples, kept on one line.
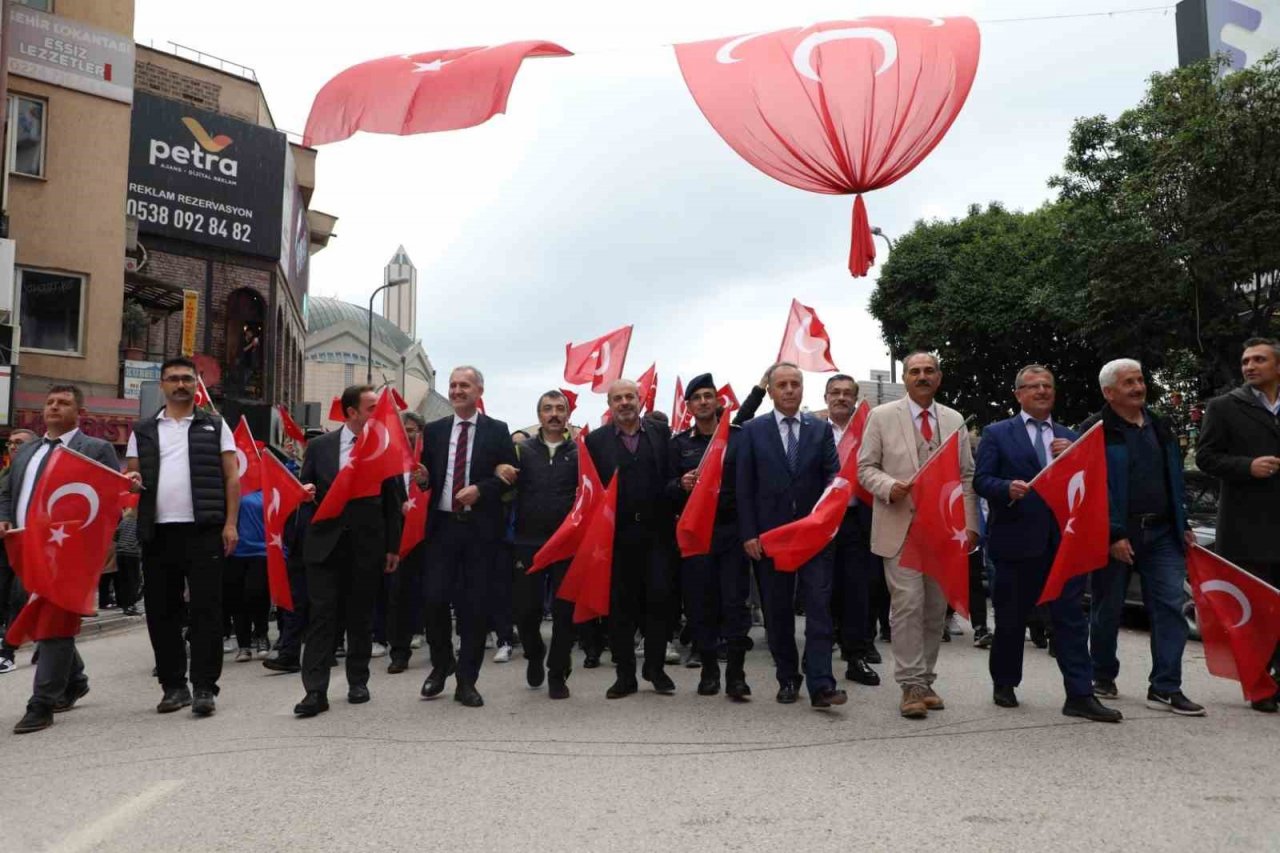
[(1076, 491), (274, 506), (606, 358), (384, 438), (802, 57), (959, 534), (1246, 609), (584, 495), (725, 56), (242, 461), (81, 489)]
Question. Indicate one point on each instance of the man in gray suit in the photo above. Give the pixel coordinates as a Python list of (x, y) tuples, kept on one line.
[(60, 680), (900, 437)]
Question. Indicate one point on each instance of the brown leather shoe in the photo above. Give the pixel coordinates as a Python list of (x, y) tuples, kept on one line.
[(932, 700), (913, 706)]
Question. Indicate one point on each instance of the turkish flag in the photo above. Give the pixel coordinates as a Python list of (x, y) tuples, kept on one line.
[(796, 543), (648, 383), (41, 619), (281, 496), (850, 442), (480, 406), (805, 342), (1239, 618), (937, 544), (839, 107), (415, 517), (248, 458), (1074, 485), (399, 401), (202, 400), (571, 397), (421, 92), (727, 399), (291, 427), (697, 522), (381, 451), (680, 415), (71, 519), (598, 362), (564, 542), (587, 580), (336, 412)]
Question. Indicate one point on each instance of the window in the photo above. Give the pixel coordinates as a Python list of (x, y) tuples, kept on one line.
[(42, 5), (26, 135), (52, 311)]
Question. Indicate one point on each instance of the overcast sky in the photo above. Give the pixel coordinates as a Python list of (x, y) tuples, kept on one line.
[(604, 197)]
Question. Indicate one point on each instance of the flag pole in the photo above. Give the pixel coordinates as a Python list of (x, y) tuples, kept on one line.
[(934, 456)]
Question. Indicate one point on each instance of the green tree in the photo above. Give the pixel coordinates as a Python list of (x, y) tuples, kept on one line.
[(1174, 214), (991, 293)]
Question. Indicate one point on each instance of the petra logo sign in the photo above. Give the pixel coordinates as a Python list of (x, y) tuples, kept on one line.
[(203, 153)]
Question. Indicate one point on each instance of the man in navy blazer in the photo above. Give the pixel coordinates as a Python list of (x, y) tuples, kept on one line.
[(785, 461), (1022, 538)]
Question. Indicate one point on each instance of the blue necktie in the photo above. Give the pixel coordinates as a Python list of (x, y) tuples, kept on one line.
[(793, 444), (1041, 453)]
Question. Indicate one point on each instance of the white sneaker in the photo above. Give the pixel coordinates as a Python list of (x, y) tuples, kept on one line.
[(673, 654), (418, 641), (502, 655), (7, 665), (228, 645), (378, 650), (488, 640)]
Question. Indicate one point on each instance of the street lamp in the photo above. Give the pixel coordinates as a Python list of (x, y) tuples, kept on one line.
[(395, 282), (893, 364)]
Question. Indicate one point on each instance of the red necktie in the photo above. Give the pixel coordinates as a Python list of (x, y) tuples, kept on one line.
[(926, 431), (460, 461)]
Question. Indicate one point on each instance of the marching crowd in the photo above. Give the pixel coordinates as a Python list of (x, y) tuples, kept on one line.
[(496, 502)]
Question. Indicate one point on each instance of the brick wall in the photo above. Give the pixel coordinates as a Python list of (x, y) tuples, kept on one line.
[(170, 84)]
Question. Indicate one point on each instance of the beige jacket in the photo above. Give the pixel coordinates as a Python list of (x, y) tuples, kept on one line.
[(888, 455)]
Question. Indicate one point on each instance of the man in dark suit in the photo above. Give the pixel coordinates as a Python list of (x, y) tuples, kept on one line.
[(345, 559), (1022, 538), (1240, 445), (60, 680), (785, 461), (637, 451), (464, 530)]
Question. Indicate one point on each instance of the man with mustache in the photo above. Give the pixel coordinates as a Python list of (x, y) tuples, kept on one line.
[(183, 460), (1149, 535), (637, 451), (899, 439)]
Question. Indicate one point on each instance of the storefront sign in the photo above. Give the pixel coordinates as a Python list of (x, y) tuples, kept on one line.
[(137, 372), (69, 54), (190, 318), (205, 177)]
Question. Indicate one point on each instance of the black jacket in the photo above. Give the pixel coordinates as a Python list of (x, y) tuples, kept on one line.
[(653, 505), (491, 447), (204, 456), (1237, 430), (375, 521), (547, 487)]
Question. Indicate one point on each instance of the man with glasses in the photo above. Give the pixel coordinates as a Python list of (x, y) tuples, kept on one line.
[(183, 461), (12, 595)]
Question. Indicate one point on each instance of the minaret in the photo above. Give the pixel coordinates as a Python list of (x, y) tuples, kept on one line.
[(400, 304)]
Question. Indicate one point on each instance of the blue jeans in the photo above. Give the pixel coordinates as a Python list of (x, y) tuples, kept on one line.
[(1159, 559)]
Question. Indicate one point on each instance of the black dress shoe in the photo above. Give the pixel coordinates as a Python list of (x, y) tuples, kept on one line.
[(1091, 709), (535, 672), (622, 687), (738, 691), (74, 694), (872, 655), (282, 664), (357, 694), (468, 696), (788, 694), (1004, 697), (203, 705), (175, 699), (434, 685), (1039, 638), (397, 666), (591, 661), (827, 697), (708, 686), (39, 716), (1266, 706), (662, 683), (859, 672), (557, 689), (314, 703)]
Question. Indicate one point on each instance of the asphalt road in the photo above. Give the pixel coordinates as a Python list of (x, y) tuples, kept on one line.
[(644, 773)]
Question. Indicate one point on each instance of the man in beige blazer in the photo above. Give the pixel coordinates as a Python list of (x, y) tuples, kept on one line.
[(900, 437)]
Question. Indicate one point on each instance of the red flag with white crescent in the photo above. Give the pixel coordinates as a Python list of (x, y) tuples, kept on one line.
[(849, 444), (648, 383), (381, 451), (248, 457), (420, 92), (937, 543), (796, 543), (697, 522), (598, 362), (805, 342), (589, 576), (681, 417), (1239, 617), (290, 426), (281, 496), (416, 509), (1074, 485), (564, 542), (202, 400), (727, 400), (336, 412), (571, 397)]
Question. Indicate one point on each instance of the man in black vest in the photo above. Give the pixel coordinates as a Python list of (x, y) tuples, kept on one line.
[(637, 451), (184, 461), (548, 483), (464, 528), (346, 558)]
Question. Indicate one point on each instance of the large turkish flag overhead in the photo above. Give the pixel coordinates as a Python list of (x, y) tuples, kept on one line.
[(420, 92), (841, 107)]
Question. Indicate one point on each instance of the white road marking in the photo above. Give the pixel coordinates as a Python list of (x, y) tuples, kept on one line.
[(88, 837)]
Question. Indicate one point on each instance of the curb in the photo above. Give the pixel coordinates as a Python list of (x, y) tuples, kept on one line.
[(102, 625)]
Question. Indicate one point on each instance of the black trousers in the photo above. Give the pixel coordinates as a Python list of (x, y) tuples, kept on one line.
[(12, 599), (527, 601), (854, 568), (185, 556), (404, 603), (59, 669), (460, 567), (502, 615), (1018, 585), (341, 592), (245, 597), (639, 596), (293, 624), (124, 580), (716, 587)]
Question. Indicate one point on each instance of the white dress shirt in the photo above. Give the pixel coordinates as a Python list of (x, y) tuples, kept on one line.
[(346, 443), (782, 428), (446, 498), (173, 492), (1273, 408), (933, 418), (1035, 433), (29, 475)]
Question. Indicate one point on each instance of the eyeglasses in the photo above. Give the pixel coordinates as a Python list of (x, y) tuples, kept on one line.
[(181, 379), (1036, 386)]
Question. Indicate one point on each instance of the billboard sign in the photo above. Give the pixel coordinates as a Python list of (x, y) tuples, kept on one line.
[(1244, 31), (136, 373), (69, 54)]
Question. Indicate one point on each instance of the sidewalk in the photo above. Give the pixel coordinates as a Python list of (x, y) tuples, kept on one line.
[(108, 622)]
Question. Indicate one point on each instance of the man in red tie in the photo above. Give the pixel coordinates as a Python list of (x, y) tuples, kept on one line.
[(464, 528)]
